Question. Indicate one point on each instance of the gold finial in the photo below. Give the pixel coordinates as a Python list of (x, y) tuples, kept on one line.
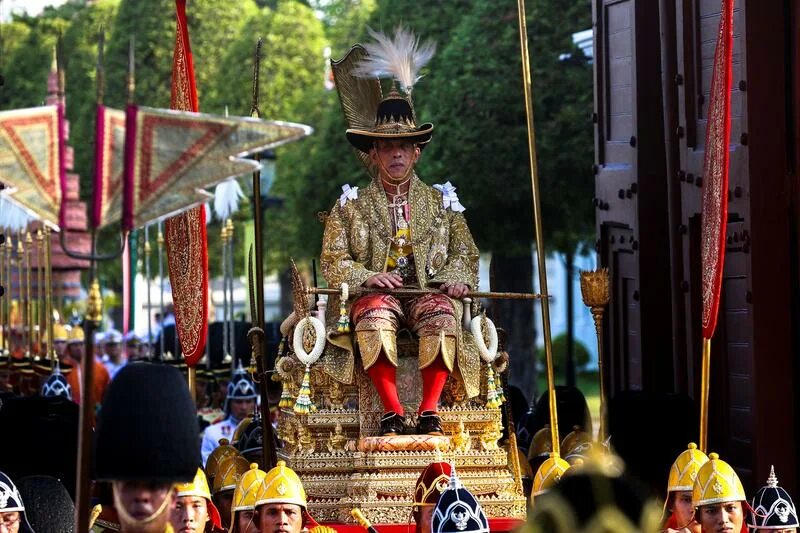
[(160, 238), (28, 238), (147, 247), (595, 287), (94, 308)]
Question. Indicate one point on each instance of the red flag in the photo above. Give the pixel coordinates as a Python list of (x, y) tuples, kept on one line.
[(715, 170), (186, 233)]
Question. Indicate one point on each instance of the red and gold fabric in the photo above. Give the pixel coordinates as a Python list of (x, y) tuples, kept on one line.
[(32, 166)]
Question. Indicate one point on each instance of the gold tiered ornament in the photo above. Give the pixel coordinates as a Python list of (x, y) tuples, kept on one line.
[(346, 464), (596, 292)]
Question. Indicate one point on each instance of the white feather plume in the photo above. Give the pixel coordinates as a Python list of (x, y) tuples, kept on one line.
[(226, 199), (400, 58)]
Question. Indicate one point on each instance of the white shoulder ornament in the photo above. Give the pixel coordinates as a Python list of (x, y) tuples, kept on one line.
[(348, 193), (449, 197)]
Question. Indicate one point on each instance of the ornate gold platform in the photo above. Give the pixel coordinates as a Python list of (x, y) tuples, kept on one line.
[(343, 465)]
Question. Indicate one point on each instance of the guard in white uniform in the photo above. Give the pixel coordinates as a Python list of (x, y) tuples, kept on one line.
[(240, 402)]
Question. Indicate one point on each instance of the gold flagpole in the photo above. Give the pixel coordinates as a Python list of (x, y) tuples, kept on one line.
[(28, 328), (39, 292), (537, 226), (705, 379)]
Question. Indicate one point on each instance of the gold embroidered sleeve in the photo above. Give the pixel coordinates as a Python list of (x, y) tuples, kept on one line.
[(336, 260), (462, 254)]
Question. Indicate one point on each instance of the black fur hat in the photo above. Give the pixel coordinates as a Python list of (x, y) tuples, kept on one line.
[(147, 428), (47, 504)]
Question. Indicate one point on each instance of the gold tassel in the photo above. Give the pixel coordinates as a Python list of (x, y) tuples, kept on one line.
[(343, 324), (303, 405), (492, 399), (286, 395)]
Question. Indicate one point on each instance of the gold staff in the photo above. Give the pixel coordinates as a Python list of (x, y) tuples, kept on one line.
[(29, 290), (48, 306), (232, 322), (39, 321), (414, 293), (537, 226), (7, 301), (596, 292)]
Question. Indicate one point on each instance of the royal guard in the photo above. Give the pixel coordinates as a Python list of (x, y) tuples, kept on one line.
[(399, 232), (281, 503), (239, 403), (12, 508), (243, 507), (193, 511), (773, 509), (718, 497), (220, 453), (430, 485), (230, 470), (682, 475), (146, 444), (457, 510)]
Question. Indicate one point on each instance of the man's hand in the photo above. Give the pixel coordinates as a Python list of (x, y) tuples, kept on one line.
[(454, 289), (384, 280)]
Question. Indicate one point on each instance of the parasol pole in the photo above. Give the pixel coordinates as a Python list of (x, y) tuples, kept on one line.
[(544, 301), (232, 323), (160, 243)]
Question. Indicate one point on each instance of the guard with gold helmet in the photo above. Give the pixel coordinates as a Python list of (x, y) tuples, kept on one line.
[(430, 485), (773, 509), (230, 470), (540, 448), (718, 497), (682, 475), (221, 452), (243, 507), (281, 503), (193, 511)]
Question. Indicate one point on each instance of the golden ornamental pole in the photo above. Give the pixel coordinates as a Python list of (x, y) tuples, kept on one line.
[(6, 349), (596, 292), (48, 306), (39, 292), (705, 383), (537, 226), (28, 313)]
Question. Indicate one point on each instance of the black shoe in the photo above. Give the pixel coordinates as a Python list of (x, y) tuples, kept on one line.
[(429, 423), (392, 424)]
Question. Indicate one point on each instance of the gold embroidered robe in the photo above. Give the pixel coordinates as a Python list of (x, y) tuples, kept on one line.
[(356, 244)]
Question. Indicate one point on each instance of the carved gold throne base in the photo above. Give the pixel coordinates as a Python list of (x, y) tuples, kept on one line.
[(344, 463)]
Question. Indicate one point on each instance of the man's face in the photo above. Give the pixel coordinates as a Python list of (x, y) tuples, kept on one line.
[(721, 517), (223, 500), (60, 347), (189, 514), (242, 408), (10, 522), (246, 522), (280, 518), (424, 519), (682, 507), (76, 350), (394, 158), (113, 350), (139, 503)]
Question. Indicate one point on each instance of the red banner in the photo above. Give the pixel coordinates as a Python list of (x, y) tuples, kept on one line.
[(715, 170), (186, 233)]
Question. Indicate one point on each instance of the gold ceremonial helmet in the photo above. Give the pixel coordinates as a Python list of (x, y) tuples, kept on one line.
[(223, 451), (75, 335), (541, 444), (549, 474), (244, 495), (237, 433), (281, 485), (199, 487), (684, 470), (229, 471), (716, 482), (60, 333)]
